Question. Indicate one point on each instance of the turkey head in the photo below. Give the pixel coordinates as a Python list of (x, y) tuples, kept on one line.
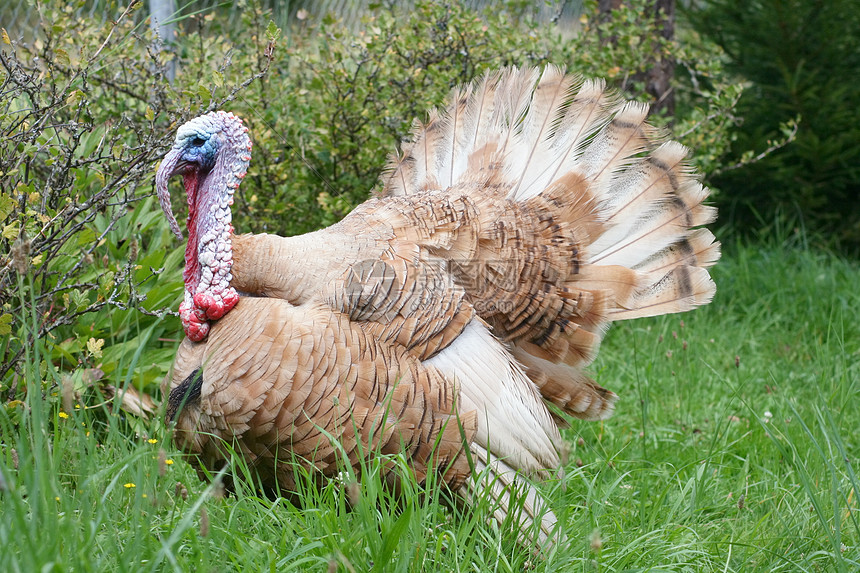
[(212, 154)]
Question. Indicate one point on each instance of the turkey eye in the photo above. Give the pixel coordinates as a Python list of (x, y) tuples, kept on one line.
[(198, 141)]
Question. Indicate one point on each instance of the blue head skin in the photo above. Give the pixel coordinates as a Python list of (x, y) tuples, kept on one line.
[(217, 138), (199, 148)]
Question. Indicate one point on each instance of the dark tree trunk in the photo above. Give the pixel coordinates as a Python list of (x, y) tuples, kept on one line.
[(659, 82), (658, 77), (606, 6)]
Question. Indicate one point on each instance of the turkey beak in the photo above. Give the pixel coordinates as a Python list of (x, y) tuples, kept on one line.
[(170, 165)]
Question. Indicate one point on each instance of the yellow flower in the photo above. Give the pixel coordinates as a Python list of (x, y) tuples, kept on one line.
[(63, 415), (169, 462), (129, 485), (143, 496), (57, 498), (152, 441)]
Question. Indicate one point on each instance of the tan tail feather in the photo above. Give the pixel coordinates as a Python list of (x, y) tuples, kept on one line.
[(513, 97), (681, 289), (612, 148), (699, 249), (620, 281), (657, 176), (586, 114), (568, 387), (552, 90), (654, 230)]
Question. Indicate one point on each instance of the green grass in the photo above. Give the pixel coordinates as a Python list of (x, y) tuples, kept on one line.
[(734, 448)]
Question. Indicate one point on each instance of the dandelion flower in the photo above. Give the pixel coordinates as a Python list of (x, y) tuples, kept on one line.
[(63, 415), (169, 462), (152, 441), (129, 485)]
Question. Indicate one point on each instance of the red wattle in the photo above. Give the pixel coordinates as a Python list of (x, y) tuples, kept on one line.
[(231, 298), (195, 326), (214, 306)]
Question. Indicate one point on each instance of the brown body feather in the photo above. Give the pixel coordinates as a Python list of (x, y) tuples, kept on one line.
[(279, 381)]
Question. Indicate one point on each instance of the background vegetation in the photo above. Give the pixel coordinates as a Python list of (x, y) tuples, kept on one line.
[(87, 112), (795, 57), (690, 474)]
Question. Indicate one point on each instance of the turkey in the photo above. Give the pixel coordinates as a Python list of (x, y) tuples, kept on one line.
[(451, 317)]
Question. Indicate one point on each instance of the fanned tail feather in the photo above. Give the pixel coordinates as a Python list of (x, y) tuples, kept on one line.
[(615, 147), (699, 249), (536, 132), (681, 289), (623, 195), (514, 95), (596, 214)]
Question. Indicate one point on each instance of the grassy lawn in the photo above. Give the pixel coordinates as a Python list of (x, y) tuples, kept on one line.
[(733, 448)]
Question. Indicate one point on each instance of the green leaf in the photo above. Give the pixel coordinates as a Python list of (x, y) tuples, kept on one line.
[(62, 57), (7, 203), (272, 31), (74, 98), (78, 300), (149, 114), (5, 324), (218, 78), (10, 231)]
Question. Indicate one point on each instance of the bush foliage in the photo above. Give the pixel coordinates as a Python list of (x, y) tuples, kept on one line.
[(351, 97), (86, 112)]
